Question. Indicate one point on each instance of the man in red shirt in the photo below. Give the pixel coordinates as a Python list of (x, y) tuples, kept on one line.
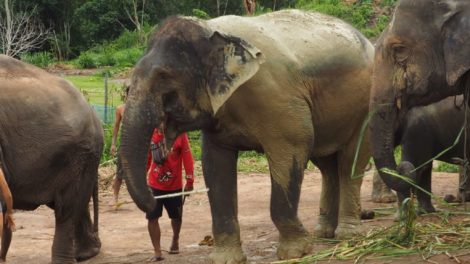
[(165, 177)]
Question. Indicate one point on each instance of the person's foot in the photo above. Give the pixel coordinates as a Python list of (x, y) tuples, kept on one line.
[(155, 259)]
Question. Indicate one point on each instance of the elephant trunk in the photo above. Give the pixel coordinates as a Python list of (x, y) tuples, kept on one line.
[(383, 127), (140, 119)]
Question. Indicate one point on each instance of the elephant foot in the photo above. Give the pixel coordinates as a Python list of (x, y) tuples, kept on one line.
[(87, 254), (293, 247), (348, 230), (324, 228), (87, 251), (425, 206), (384, 197), (63, 261), (228, 255)]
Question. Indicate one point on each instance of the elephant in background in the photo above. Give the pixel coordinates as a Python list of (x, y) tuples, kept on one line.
[(50, 148), (291, 84), (416, 65), (424, 133)]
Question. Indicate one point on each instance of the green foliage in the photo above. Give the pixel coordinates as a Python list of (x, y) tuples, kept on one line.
[(361, 15), (40, 59), (195, 142), (123, 52), (108, 136), (447, 167), (86, 60), (201, 14)]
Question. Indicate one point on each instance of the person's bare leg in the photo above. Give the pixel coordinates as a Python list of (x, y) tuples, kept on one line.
[(154, 232), (116, 187), (3, 253), (6, 240), (176, 226)]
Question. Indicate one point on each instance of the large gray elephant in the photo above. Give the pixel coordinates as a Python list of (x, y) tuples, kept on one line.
[(416, 65), (425, 133), (50, 148), (292, 84)]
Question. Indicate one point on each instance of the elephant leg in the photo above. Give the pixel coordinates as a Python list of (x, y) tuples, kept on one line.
[(350, 187), (220, 174), (381, 193), (424, 200), (329, 199), (287, 172), (65, 221), (87, 242), (464, 184)]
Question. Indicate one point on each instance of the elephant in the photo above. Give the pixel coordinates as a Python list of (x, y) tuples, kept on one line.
[(424, 133), (50, 148), (416, 66), (291, 84)]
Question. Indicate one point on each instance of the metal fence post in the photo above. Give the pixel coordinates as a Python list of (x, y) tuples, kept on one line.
[(106, 98)]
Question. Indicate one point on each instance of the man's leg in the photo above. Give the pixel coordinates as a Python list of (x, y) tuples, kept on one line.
[(176, 226), (154, 227), (116, 187), (174, 207), (155, 234)]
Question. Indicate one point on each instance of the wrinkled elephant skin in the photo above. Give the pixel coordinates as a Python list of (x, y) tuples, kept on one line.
[(414, 66), (50, 147), (291, 84)]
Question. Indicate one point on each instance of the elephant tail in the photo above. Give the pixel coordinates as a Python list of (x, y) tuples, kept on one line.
[(95, 207)]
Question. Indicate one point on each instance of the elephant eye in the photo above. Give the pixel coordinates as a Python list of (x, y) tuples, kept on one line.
[(400, 53)]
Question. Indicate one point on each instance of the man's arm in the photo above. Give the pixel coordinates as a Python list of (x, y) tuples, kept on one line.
[(8, 200), (117, 124), (188, 162)]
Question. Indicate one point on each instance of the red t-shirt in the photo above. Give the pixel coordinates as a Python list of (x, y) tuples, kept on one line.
[(168, 176)]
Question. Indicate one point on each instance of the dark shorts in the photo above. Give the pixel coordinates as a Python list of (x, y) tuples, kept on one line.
[(173, 205)]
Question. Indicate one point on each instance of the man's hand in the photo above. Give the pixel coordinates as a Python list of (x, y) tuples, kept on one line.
[(113, 150), (188, 188)]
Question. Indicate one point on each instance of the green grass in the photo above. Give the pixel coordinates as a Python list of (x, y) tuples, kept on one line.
[(93, 89)]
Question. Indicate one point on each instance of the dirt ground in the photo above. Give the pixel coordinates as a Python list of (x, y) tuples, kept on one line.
[(124, 232)]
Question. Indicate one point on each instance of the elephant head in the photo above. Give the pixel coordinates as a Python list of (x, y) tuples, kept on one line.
[(422, 56), (185, 76)]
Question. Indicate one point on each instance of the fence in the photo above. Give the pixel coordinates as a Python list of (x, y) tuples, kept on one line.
[(105, 113), (104, 100)]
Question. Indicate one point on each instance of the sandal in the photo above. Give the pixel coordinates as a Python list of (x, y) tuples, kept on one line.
[(155, 259)]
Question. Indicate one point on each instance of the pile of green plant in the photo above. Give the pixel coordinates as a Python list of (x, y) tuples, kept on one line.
[(402, 238)]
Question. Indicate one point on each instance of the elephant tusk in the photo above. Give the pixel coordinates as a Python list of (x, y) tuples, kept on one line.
[(399, 103)]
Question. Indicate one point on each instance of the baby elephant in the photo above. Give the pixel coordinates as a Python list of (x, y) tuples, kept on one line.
[(426, 132)]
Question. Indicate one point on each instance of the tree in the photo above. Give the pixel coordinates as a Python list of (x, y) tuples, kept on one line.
[(137, 20), (20, 32)]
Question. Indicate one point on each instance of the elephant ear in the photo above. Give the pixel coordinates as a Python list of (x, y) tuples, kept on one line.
[(456, 46), (231, 62)]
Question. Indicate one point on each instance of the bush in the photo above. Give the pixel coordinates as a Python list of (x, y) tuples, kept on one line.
[(128, 57), (40, 59), (126, 40), (87, 60)]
